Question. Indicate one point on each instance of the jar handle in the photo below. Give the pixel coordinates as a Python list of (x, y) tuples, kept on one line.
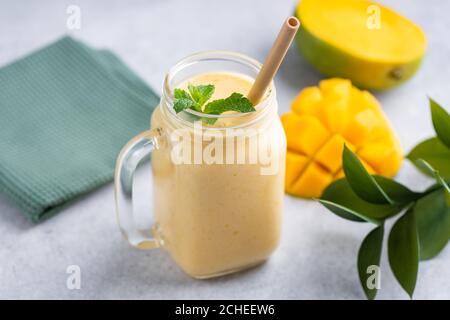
[(129, 158)]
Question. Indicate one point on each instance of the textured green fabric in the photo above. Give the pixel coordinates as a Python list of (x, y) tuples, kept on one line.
[(65, 112)]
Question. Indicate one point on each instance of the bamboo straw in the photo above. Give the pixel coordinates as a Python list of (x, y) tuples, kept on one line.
[(273, 59)]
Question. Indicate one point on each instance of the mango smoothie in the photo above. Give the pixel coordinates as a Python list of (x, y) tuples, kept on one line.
[(221, 215)]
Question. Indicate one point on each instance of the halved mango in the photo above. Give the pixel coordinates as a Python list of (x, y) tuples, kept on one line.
[(325, 118), (365, 42)]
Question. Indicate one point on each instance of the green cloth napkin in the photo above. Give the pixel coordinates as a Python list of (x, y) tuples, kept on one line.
[(65, 112)]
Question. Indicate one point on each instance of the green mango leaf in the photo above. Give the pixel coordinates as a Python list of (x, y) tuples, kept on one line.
[(435, 153), (369, 255), (362, 183), (403, 251), (433, 187), (344, 211), (441, 122), (396, 191), (438, 186), (433, 223), (435, 173), (339, 198)]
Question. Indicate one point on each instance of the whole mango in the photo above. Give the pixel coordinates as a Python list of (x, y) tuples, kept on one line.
[(322, 120)]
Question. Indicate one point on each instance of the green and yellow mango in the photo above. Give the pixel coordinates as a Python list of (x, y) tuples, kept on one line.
[(373, 46)]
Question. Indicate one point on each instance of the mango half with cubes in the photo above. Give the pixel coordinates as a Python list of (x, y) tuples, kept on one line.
[(371, 45), (321, 121)]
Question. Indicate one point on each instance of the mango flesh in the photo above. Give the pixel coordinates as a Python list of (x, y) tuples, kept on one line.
[(369, 44), (322, 120)]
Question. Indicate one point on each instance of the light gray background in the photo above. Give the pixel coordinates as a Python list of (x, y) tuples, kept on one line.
[(317, 255)]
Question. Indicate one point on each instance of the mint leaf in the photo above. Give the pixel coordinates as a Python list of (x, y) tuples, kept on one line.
[(403, 251), (235, 102), (435, 153), (181, 94), (201, 93), (182, 101), (183, 104), (362, 183), (369, 254), (441, 122)]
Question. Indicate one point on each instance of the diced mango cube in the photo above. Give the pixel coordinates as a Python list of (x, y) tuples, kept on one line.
[(306, 101), (306, 133), (361, 126), (312, 182), (336, 87), (330, 155), (384, 159), (295, 163), (333, 109)]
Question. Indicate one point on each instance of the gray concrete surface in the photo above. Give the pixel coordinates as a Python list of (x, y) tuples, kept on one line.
[(317, 256)]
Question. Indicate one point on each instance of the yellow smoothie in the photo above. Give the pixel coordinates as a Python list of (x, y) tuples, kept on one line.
[(216, 218)]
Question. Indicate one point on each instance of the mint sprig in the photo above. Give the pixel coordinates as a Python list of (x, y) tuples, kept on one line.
[(422, 230), (198, 96)]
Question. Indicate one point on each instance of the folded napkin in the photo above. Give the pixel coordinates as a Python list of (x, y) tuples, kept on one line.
[(65, 112)]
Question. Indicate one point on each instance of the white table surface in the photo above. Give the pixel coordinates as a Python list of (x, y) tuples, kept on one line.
[(317, 255)]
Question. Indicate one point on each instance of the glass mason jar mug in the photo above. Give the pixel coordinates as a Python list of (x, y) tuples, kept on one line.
[(218, 180)]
